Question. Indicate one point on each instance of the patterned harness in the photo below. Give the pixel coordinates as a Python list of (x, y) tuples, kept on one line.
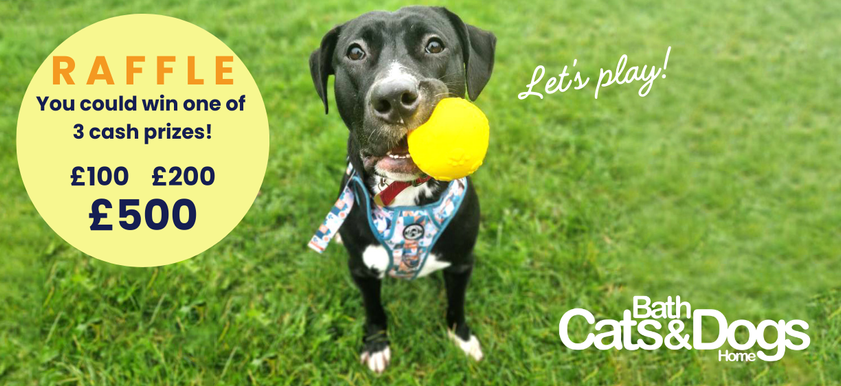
[(408, 233)]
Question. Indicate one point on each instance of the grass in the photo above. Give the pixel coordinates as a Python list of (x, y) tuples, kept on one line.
[(722, 186)]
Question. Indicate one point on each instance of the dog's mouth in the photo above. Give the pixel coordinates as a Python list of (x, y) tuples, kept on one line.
[(392, 159), (396, 164)]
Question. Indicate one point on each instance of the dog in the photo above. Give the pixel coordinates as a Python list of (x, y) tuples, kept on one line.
[(391, 69)]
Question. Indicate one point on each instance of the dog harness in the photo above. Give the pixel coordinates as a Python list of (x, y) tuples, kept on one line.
[(407, 233)]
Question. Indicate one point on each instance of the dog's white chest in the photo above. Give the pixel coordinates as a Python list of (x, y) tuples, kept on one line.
[(376, 258)]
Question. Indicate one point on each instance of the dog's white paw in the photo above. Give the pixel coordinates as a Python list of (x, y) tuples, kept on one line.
[(338, 239), (470, 347), (376, 361)]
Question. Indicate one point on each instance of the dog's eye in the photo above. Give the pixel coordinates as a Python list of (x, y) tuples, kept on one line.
[(355, 52), (434, 46)]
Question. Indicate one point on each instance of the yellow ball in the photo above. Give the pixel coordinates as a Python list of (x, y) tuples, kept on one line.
[(453, 142)]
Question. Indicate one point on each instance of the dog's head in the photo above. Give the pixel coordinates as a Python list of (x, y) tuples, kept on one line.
[(391, 70)]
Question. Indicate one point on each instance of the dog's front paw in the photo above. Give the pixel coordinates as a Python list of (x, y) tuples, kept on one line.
[(376, 355), (470, 346)]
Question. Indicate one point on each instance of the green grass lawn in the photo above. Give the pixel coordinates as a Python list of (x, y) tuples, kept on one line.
[(723, 186)]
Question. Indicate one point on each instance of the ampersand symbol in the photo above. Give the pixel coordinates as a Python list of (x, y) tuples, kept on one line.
[(676, 327)]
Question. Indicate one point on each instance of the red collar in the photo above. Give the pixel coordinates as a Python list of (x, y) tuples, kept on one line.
[(387, 195)]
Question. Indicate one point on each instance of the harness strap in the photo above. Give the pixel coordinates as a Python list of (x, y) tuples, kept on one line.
[(408, 233), (335, 218)]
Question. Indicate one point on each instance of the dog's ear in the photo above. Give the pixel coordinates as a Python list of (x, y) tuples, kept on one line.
[(321, 63), (478, 48)]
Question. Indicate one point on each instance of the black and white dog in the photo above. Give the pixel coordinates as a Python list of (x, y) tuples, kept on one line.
[(391, 69)]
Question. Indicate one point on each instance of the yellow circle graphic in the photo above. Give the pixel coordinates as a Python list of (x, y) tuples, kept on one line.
[(142, 140)]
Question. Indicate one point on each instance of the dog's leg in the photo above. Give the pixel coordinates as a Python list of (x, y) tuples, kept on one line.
[(458, 331), (375, 351)]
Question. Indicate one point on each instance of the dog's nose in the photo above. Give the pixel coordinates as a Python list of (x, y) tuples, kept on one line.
[(395, 100)]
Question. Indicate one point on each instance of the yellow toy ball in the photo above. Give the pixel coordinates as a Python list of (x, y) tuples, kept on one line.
[(453, 142)]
